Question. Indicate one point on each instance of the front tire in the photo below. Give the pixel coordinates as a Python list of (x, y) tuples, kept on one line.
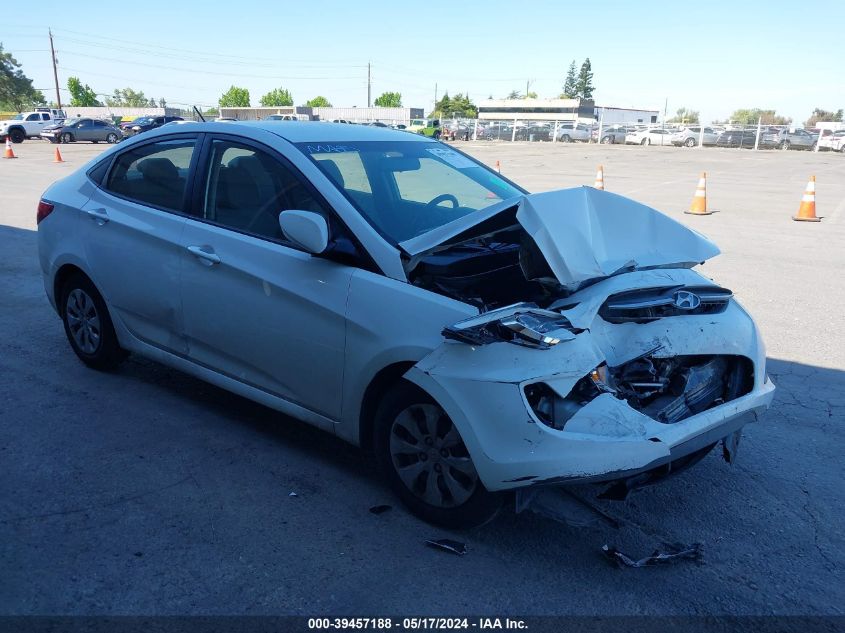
[(88, 325), (607, 140), (422, 455), (111, 138), (67, 137), (784, 145), (17, 136), (646, 141), (690, 142)]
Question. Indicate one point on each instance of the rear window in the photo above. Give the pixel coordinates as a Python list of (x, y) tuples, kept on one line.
[(155, 174)]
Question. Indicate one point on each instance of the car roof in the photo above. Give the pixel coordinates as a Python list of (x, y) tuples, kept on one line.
[(313, 131)]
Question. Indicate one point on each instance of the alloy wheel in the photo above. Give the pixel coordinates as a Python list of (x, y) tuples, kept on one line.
[(430, 457), (83, 321)]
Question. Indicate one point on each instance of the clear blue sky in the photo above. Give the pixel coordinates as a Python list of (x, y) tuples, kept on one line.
[(713, 57)]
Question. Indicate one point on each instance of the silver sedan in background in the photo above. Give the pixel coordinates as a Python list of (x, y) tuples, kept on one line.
[(73, 130)]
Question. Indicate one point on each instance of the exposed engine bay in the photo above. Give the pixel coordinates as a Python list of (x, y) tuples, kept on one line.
[(667, 390)]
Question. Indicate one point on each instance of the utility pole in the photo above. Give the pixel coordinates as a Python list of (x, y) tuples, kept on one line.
[(435, 101), (55, 72), (369, 87)]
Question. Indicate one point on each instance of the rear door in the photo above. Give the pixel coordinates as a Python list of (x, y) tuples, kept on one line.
[(256, 307), (133, 230)]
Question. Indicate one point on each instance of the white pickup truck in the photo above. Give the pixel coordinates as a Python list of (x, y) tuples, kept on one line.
[(28, 124)]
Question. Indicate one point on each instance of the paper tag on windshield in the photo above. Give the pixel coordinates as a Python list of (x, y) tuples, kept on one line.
[(452, 157)]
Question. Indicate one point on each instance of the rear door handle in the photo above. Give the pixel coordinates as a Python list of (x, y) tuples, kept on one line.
[(205, 254), (100, 216)]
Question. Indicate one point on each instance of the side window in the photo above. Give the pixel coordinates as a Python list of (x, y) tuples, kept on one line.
[(99, 124), (154, 174), (45, 116), (33, 117), (247, 188)]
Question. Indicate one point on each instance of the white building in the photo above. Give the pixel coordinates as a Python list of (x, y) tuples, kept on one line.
[(610, 115), (581, 110)]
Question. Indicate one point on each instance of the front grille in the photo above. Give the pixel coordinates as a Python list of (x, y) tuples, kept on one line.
[(644, 306)]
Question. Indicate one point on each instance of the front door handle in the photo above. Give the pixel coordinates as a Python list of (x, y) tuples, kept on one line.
[(205, 254), (100, 216)]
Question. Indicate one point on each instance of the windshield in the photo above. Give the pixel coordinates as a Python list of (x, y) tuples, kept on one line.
[(69, 122), (142, 120), (17, 117), (407, 188)]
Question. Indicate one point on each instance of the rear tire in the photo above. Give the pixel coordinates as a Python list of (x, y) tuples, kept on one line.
[(784, 145), (88, 326), (421, 454)]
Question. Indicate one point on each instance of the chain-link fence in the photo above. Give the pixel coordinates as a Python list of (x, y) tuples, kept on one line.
[(757, 136)]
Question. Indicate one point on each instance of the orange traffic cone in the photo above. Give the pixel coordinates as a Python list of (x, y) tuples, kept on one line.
[(699, 200), (58, 158), (807, 210), (599, 184), (9, 153)]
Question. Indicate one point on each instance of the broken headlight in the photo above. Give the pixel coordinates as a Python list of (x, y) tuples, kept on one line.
[(554, 410), (523, 324)]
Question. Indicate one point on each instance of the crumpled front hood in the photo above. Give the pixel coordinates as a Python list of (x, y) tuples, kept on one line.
[(583, 234)]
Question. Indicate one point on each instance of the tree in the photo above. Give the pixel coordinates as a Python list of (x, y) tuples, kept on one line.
[(683, 115), (459, 106), (318, 102), (584, 85), (162, 103), (389, 100), (514, 94), (276, 97), (570, 83), (749, 116), (129, 98), (81, 95), (530, 95), (235, 98), (16, 91), (823, 115)]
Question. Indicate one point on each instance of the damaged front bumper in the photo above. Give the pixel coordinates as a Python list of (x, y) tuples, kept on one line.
[(482, 388)]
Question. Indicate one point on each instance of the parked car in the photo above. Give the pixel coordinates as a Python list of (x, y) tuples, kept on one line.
[(796, 138), (690, 136), (834, 141), (737, 138), (613, 135), (145, 124), (281, 117), (28, 125), (571, 132), (650, 136), (465, 332), (73, 130)]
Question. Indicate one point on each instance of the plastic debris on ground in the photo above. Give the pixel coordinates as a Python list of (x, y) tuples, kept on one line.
[(672, 552), (448, 545), (293, 494)]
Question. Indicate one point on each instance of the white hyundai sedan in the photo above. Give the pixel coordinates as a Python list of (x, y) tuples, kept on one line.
[(475, 339)]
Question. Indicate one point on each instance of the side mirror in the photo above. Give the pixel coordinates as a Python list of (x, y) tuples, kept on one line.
[(306, 229)]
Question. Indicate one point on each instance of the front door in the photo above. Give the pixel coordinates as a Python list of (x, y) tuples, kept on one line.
[(257, 308)]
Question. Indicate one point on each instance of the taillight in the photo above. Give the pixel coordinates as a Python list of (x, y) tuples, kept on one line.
[(44, 209)]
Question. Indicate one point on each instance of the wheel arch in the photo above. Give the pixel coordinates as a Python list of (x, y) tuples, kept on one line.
[(383, 380), (65, 272)]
